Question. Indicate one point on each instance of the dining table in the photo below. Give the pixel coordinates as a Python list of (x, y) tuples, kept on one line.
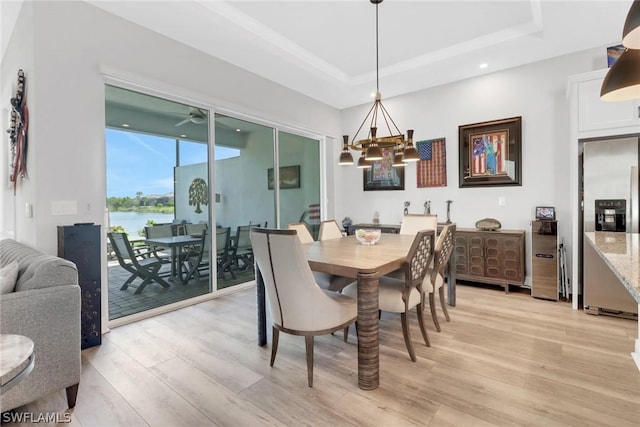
[(366, 263), (175, 243)]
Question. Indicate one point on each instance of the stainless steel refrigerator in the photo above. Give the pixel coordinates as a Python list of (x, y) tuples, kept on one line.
[(609, 202)]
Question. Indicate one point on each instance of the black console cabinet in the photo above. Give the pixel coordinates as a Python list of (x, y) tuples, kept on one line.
[(80, 244)]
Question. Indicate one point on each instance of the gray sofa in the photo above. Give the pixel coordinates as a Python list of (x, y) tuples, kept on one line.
[(45, 307)]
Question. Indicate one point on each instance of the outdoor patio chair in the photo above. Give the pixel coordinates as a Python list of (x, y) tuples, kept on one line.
[(241, 249), (159, 231), (145, 266), (197, 258), (195, 229), (223, 257)]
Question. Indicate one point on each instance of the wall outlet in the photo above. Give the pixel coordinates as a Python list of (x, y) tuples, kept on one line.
[(502, 201)]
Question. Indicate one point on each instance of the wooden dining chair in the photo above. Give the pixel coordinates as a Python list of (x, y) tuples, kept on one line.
[(400, 296), (412, 223), (297, 304), (435, 277)]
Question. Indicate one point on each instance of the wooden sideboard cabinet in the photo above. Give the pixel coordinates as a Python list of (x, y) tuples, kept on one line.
[(494, 257)]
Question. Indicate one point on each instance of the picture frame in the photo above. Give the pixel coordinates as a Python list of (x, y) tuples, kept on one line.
[(545, 213), (289, 177), (382, 176), (490, 153)]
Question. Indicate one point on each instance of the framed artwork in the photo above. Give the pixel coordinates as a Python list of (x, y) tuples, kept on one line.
[(431, 170), (490, 153), (289, 177), (382, 175)]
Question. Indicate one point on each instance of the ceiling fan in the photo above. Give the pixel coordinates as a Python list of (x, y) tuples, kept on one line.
[(196, 116)]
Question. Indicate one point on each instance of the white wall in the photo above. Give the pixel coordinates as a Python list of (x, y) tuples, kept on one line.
[(19, 54), (537, 92), (62, 46)]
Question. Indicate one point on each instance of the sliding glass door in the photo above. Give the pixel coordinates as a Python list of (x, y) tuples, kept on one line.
[(244, 157), (299, 159), (163, 195), (250, 159), (157, 154)]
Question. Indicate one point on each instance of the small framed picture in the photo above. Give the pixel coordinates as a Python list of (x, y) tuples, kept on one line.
[(545, 212)]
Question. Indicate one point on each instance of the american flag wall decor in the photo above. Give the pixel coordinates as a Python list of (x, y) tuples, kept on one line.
[(432, 167)]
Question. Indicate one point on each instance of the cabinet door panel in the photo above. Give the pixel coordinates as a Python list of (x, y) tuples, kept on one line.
[(460, 255), (595, 114)]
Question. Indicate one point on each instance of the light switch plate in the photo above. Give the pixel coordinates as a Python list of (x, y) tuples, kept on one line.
[(64, 207)]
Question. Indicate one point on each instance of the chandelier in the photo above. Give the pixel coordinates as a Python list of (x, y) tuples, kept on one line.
[(371, 147)]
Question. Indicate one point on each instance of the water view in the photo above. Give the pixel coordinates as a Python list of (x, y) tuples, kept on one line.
[(134, 221)]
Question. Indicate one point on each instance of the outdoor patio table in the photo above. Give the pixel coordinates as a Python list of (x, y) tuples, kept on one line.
[(175, 243)]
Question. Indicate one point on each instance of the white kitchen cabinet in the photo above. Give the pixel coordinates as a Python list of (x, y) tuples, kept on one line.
[(599, 118)]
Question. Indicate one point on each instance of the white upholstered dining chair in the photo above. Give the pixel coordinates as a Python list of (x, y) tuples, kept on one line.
[(400, 296), (412, 223), (297, 304), (329, 230), (326, 281), (434, 280), (303, 232)]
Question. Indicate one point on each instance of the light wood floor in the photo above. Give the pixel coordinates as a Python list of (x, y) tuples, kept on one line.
[(502, 360)]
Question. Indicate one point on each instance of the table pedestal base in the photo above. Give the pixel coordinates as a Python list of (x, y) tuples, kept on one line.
[(368, 324)]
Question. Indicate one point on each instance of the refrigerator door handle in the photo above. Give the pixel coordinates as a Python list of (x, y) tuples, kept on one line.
[(634, 202)]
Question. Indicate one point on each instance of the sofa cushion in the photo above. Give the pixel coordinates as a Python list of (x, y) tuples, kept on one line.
[(8, 277)]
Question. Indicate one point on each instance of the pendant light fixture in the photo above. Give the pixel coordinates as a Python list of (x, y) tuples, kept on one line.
[(622, 81), (371, 147)]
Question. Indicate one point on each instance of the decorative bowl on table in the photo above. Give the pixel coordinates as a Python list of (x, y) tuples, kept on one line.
[(368, 236)]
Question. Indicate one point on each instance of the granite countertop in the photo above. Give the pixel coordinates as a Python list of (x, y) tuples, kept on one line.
[(621, 252)]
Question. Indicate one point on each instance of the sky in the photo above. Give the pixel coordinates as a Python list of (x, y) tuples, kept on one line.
[(140, 162)]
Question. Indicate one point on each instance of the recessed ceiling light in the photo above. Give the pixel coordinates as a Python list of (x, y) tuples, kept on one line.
[(125, 125), (238, 130), (183, 136), (484, 65)]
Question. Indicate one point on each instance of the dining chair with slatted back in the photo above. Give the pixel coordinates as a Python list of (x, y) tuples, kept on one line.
[(435, 279), (329, 230), (400, 296), (303, 232), (296, 303), (412, 223)]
